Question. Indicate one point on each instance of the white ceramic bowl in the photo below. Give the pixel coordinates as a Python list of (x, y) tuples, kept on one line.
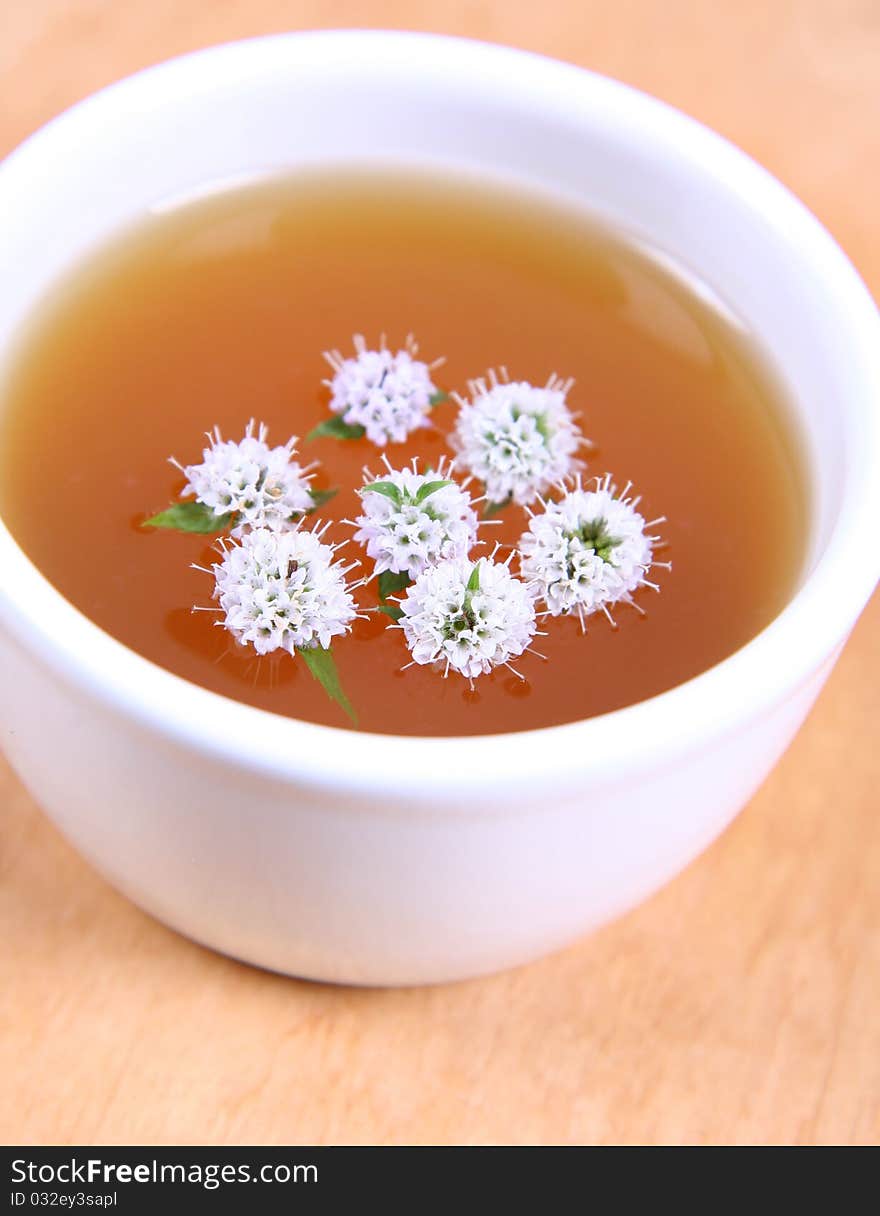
[(381, 860)]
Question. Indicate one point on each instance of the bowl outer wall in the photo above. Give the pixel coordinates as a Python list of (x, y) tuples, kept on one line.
[(375, 859)]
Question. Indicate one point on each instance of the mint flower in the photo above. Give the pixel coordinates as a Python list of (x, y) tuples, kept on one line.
[(516, 438), (412, 520), (587, 551), (263, 486), (284, 590), (468, 617), (389, 395)]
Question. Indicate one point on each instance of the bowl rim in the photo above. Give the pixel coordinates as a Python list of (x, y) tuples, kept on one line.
[(652, 733)]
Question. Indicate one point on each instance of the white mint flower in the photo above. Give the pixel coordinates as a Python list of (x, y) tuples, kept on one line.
[(283, 590), (516, 438), (587, 551), (264, 486), (467, 617), (389, 395), (412, 520)]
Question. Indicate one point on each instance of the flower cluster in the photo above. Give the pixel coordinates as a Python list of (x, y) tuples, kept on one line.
[(516, 438), (586, 551), (413, 520), (280, 585), (283, 590), (458, 614), (468, 617), (389, 395), (262, 486)]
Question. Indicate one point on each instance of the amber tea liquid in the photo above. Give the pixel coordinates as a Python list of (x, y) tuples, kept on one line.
[(217, 310)]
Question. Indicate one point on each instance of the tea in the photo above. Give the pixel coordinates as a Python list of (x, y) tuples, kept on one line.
[(215, 310)]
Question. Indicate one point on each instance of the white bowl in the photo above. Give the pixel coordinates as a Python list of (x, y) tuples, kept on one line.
[(382, 860)]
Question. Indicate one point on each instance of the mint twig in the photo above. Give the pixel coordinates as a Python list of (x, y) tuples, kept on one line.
[(322, 665), (335, 428), (191, 517), (493, 508), (391, 582), (387, 489), (319, 497), (429, 488)]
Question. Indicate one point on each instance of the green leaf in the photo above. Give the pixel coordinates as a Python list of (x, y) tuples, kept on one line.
[(473, 583), (391, 610), (438, 398), (322, 665), (190, 517), (319, 497), (493, 508), (388, 488), (391, 582), (430, 487), (335, 428)]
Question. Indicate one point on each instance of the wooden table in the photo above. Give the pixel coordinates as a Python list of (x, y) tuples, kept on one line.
[(739, 1005)]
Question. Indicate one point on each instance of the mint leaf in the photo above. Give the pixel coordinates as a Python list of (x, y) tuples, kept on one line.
[(473, 583), (391, 610), (437, 398), (335, 428), (190, 517), (322, 665), (430, 487), (493, 508), (319, 497), (391, 582), (388, 488)]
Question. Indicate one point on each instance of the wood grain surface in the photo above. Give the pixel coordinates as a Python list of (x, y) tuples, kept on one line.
[(740, 1005)]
